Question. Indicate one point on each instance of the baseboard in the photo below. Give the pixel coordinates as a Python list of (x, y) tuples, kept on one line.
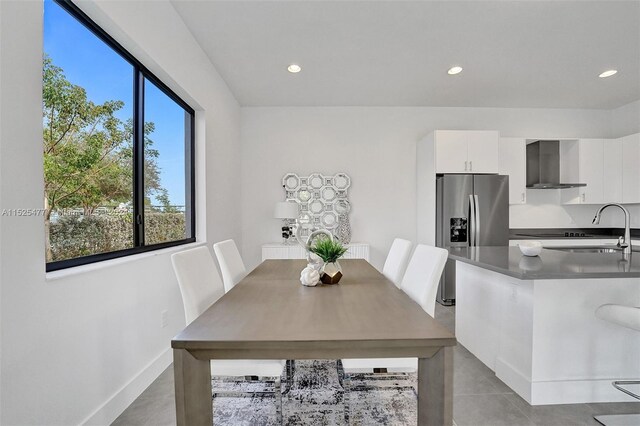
[(559, 391), (515, 379), (119, 401), (577, 392)]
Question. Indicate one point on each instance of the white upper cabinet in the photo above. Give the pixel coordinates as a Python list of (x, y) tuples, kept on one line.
[(631, 169), (591, 171), (466, 151), (582, 161), (612, 174), (451, 151), (599, 166), (483, 151), (512, 161)]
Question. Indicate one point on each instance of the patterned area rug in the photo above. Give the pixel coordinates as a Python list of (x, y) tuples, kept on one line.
[(316, 398)]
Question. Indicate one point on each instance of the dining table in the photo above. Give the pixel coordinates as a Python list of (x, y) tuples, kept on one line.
[(270, 315)]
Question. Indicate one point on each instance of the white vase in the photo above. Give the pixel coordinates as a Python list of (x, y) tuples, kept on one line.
[(310, 276)]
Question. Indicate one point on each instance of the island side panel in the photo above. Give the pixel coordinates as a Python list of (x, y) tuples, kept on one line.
[(478, 302), (514, 363), (494, 321), (542, 337), (576, 355)]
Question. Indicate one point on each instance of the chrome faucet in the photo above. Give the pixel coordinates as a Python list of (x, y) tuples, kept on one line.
[(623, 242)]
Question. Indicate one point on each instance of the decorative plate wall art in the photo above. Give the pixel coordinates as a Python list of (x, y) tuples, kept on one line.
[(323, 201)]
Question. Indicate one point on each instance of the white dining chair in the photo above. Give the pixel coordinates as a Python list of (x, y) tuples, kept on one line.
[(231, 264), (397, 260), (420, 283), (201, 286)]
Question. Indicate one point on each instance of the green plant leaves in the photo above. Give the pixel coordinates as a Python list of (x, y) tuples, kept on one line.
[(329, 251)]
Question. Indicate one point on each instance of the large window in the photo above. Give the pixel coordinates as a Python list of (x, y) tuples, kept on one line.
[(118, 148)]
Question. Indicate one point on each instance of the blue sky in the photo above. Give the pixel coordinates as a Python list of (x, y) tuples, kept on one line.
[(105, 75)]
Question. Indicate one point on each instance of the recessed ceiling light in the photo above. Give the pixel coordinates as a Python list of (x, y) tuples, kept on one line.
[(608, 73), (294, 68), (454, 70)]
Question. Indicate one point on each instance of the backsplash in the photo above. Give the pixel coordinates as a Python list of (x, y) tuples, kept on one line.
[(543, 210)]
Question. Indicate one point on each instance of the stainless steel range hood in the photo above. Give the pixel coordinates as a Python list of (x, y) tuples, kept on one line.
[(543, 166)]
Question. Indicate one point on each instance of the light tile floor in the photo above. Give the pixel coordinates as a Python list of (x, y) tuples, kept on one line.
[(480, 398)]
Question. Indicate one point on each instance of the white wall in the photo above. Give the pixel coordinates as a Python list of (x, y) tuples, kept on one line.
[(376, 147), (1, 203), (81, 347), (626, 120)]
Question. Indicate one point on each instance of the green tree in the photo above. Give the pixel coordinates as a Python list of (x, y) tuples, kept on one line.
[(165, 203), (87, 150)]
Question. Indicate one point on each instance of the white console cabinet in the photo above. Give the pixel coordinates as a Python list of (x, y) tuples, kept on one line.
[(295, 251)]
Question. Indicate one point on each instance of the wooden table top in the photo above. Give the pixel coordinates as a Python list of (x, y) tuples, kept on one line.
[(269, 313)]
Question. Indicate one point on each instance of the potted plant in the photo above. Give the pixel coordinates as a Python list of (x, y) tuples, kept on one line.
[(329, 251)]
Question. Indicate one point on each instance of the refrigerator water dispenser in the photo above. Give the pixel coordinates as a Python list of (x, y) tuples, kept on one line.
[(458, 230)]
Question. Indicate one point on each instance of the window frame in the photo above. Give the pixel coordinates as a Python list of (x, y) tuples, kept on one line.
[(140, 74)]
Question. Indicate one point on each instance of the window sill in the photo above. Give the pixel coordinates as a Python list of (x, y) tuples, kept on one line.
[(91, 267)]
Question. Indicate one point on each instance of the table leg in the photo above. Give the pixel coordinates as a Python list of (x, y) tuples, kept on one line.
[(193, 389), (435, 389)]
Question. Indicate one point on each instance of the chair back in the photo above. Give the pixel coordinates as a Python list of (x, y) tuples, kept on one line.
[(198, 279), (625, 316), (397, 260), (231, 264), (421, 280)]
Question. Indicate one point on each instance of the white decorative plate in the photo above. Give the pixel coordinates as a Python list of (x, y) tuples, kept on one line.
[(342, 206), (290, 181), (315, 181), (304, 219), (329, 220), (304, 195), (316, 207), (341, 181), (328, 193)]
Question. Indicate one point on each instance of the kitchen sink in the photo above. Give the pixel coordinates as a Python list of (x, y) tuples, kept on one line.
[(587, 249)]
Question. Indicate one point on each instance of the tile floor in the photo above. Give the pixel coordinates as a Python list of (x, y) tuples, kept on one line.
[(480, 398)]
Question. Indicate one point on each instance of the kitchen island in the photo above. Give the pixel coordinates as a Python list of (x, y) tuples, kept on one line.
[(532, 320)]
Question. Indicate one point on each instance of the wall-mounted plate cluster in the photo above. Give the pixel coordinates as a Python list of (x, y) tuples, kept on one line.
[(323, 201)]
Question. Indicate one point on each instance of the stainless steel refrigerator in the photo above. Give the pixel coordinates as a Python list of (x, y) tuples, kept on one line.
[(471, 210)]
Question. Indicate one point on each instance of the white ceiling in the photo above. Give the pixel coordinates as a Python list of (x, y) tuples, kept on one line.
[(396, 53)]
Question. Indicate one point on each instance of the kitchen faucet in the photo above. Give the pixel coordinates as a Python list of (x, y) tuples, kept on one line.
[(623, 242)]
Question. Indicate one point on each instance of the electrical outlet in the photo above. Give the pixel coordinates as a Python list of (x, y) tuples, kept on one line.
[(164, 319)]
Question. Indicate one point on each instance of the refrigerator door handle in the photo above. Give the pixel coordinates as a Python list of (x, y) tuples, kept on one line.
[(472, 220), (477, 220)]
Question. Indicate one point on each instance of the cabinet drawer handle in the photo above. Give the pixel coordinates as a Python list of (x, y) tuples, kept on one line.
[(465, 166), (523, 199), (470, 166), (583, 197)]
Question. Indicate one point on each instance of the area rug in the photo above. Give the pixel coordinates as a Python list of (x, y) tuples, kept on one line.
[(316, 398)]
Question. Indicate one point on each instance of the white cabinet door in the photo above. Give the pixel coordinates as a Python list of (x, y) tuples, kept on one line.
[(612, 173), (631, 169), (451, 151), (512, 156), (482, 148), (591, 171)]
